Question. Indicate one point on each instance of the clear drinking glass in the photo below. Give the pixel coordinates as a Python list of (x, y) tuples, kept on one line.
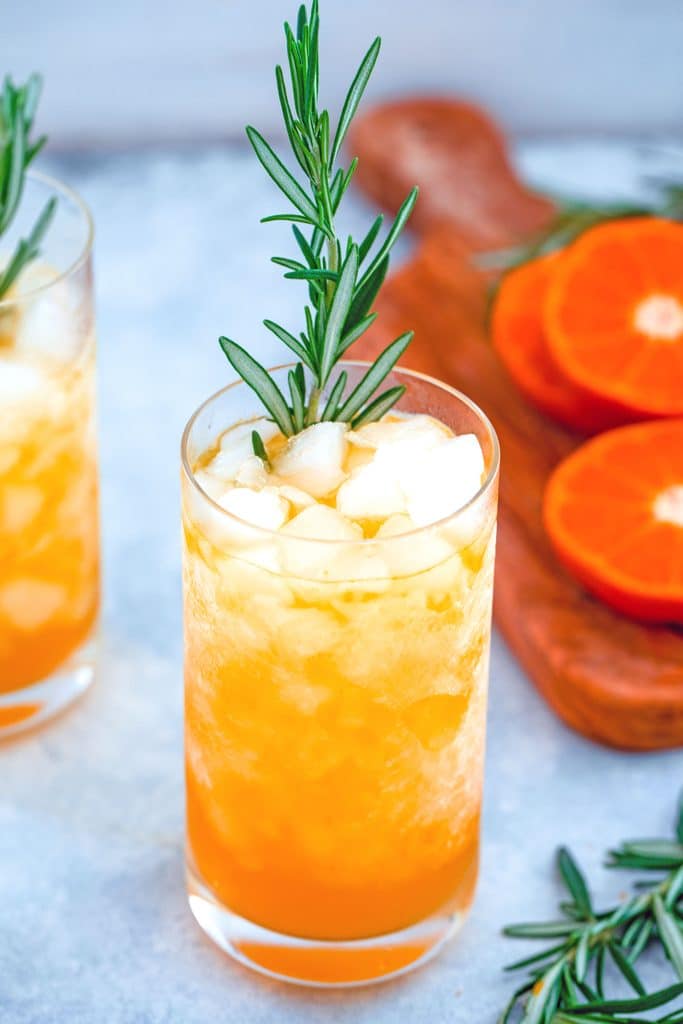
[(49, 540), (335, 702)]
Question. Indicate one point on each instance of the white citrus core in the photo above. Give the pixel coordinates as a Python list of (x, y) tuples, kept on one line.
[(660, 317), (668, 505)]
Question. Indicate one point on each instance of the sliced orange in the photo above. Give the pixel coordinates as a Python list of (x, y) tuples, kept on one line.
[(614, 315), (518, 336), (614, 513)]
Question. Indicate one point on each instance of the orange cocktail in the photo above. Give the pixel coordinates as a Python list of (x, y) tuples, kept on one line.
[(49, 549), (336, 677)]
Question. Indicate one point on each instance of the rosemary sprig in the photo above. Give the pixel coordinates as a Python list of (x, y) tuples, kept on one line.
[(566, 981), (342, 277), (574, 217), (17, 110)]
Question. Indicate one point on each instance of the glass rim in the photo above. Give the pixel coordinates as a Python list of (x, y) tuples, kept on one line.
[(491, 474), (68, 193)]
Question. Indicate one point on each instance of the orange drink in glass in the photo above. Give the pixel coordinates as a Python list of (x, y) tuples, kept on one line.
[(49, 546), (336, 662)]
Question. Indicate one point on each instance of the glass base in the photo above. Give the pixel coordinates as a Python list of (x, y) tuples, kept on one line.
[(32, 705), (317, 963)]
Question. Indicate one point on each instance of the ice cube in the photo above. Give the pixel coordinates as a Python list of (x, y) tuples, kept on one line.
[(252, 473), (212, 485), (265, 509), (372, 492), (407, 556), (50, 324), (313, 460), (242, 432), (236, 447), (297, 498), (29, 603), (353, 565), (305, 560), (320, 522), (443, 480), (420, 429), (394, 526), (19, 381), (20, 505)]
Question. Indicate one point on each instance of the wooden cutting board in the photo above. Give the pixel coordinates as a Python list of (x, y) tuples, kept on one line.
[(610, 678)]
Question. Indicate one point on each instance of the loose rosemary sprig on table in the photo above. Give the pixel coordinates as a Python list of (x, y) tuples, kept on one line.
[(566, 982), (343, 277), (574, 217), (17, 111)]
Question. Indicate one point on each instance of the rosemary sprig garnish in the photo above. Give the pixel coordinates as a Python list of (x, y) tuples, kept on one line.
[(343, 277), (17, 110), (574, 217), (566, 981)]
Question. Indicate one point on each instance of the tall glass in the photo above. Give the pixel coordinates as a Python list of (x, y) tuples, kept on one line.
[(335, 702), (49, 547)]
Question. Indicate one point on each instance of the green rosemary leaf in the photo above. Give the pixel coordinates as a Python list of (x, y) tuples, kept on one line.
[(670, 934), (639, 1005), (353, 335), (511, 1005), (600, 971), (631, 933), (259, 447), (298, 397), (295, 218), (366, 244), (541, 994), (28, 249), (679, 817), (369, 383), (288, 116), (285, 261), (274, 167), (335, 397), (295, 69), (675, 889), (626, 968), (540, 930), (400, 220), (305, 246), (291, 342), (15, 178), (574, 880), (260, 381), (379, 406), (311, 274), (347, 178), (338, 314), (365, 295), (337, 189), (354, 97), (529, 961), (582, 956), (641, 941)]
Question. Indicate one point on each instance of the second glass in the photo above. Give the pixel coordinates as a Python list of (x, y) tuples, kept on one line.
[(49, 534), (335, 720)]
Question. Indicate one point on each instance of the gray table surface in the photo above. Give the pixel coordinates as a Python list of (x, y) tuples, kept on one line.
[(94, 924)]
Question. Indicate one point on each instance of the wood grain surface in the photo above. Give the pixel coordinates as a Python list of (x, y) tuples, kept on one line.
[(612, 679)]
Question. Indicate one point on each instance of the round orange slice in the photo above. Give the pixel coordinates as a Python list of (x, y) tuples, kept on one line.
[(518, 336), (614, 315), (614, 513)]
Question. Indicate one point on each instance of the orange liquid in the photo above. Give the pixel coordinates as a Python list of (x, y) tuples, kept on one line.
[(334, 739), (49, 558)]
